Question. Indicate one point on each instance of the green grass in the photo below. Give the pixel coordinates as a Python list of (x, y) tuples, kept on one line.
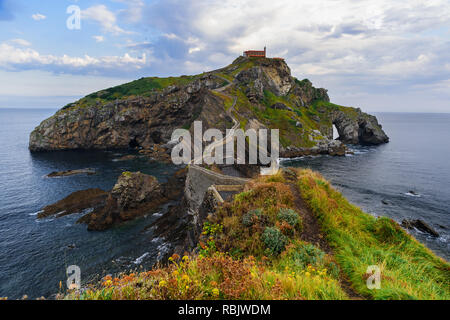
[(141, 87), (409, 270)]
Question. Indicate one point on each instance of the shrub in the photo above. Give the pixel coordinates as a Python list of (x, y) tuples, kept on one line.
[(308, 254), (251, 217), (274, 240), (290, 216)]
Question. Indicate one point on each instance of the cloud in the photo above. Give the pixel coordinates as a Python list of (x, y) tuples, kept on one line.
[(15, 58), (99, 38), (133, 13), (20, 42), (345, 45), (38, 17), (106, 18)]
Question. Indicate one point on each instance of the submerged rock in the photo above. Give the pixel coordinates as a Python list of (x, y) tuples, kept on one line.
[(77, 202), (66, 173), (419, 225)]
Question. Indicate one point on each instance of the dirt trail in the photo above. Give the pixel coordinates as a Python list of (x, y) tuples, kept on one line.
[(313, 234)]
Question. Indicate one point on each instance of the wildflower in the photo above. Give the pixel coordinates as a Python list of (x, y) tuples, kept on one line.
[(107, 283), (215, 292), (175, 257), (175, 273), (185, 277), (185, 258), (307, 274), (162, 284), (187, 287)]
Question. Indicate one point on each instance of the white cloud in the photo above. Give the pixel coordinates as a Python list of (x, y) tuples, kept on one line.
[(106, 18), (133, 13), (20, 42), (12, 58), (99, 38), (38, 17)]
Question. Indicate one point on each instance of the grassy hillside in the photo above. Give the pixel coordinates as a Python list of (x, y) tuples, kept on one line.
[(141, 87), (409, 270), (289, 236)]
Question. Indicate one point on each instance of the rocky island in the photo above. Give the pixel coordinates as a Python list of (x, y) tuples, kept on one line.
[(261, 93)]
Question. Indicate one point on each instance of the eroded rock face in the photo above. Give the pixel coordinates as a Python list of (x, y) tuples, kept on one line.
[(358, 128), (306, 94), (134, 188), (272, 75), (135, 194), (133, 122)]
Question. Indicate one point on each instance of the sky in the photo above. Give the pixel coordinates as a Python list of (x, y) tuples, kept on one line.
[(379, 55)]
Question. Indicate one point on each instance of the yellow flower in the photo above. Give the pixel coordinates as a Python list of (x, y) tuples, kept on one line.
[(175, 273), (162, 284), (215, 292), (187, 287), (307, 274), (185, 258), (185, 277)]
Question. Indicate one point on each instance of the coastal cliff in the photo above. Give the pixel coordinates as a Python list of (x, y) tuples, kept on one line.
[(257, 92)]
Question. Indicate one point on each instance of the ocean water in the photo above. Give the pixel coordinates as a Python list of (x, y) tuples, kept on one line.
[(34, 254), (416, 159)]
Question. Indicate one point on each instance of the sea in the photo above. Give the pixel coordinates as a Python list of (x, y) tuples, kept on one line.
[(406, 178)]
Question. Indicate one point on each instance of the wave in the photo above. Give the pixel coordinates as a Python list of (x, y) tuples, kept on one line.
[(141, 258), (411, 194)]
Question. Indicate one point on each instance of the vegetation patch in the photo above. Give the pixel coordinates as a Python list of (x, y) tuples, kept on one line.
[(408, 269)]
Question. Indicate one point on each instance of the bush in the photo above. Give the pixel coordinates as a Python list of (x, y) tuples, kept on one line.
[(290, 216), (251, 217), (308, 254), (274, 240)]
